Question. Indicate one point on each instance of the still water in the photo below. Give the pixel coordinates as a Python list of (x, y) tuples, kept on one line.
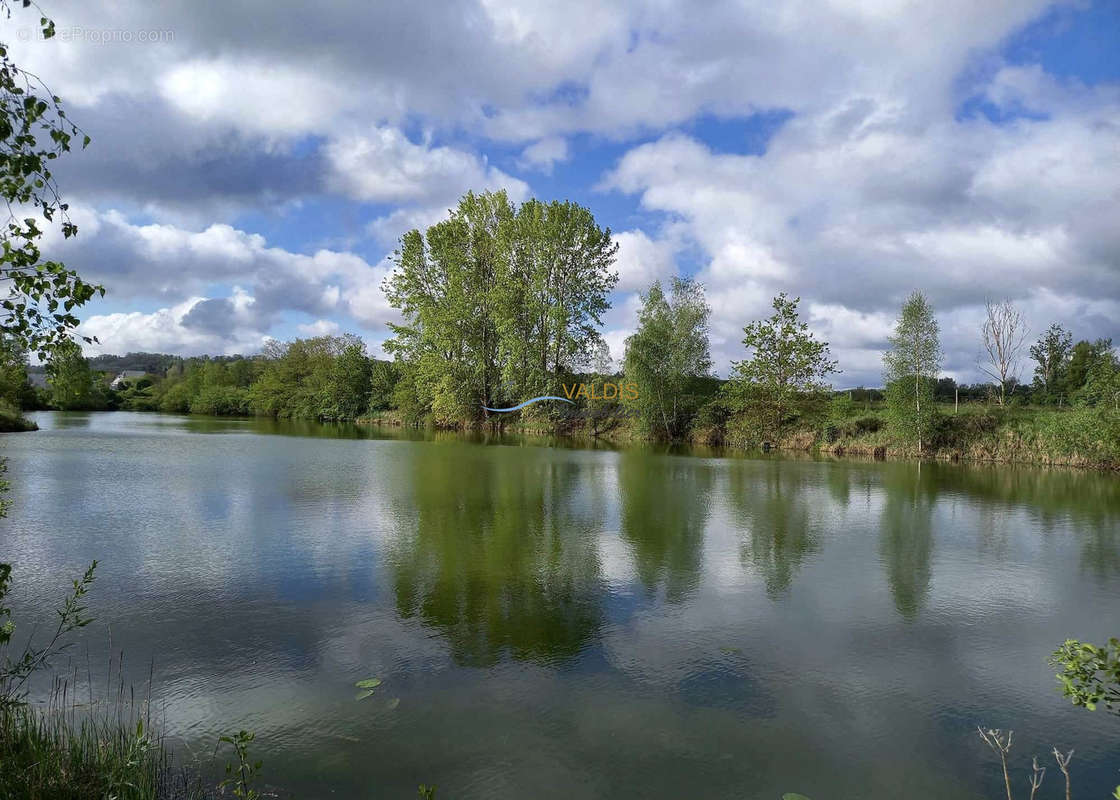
[(574, 623)]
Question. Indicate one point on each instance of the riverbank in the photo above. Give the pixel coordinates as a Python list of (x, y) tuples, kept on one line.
[(13, 421), (1078, 437)]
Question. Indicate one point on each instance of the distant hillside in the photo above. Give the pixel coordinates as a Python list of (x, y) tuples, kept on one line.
[(156, 363)]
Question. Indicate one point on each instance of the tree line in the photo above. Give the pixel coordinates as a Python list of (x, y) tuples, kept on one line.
[(500, 303)]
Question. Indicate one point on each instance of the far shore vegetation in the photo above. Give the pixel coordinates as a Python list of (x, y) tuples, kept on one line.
[(503, 303)]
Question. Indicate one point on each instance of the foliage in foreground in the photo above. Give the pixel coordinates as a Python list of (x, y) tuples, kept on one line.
[(34, 132), (1090, 674), (68, 750), (66, 753), (1000, 743)]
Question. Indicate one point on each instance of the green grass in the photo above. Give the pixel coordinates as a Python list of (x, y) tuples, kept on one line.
[(1088, 437), (68, 750), (12, 419)]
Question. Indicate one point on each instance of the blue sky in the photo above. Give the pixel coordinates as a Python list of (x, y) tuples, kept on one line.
[(252, 167)]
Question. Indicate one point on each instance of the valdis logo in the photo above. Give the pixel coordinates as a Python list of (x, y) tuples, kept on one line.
[(627, 390)]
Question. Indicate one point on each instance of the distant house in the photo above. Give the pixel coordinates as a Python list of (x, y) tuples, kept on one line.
[(127, 375)]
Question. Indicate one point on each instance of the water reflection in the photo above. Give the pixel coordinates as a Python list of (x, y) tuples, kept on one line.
[(772, 505), (664, 507), (500, 554), (1058, 500), (598, 615), (906, 536)]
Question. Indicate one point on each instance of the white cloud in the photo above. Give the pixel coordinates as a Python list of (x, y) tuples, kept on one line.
[(167, 331), (873, 187), (275, 99), (642, 260), (178, 265), (320, 327), (543, 155), (383, 166), (854, 207)]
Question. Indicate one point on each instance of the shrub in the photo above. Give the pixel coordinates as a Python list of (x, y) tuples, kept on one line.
[(221, 401)]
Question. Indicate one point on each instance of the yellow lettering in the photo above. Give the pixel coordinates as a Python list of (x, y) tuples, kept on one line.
[(582, 392), (568, 390)]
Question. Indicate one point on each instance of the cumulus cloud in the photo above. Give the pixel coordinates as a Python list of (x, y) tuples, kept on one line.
[(170, 330), (543, 155), (642, 260), (854, 207), (383, 166), (176, 265), (320, 327), (884, 176)]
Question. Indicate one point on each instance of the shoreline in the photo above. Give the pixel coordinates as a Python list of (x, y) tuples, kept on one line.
[(802, 442), (797, 443)]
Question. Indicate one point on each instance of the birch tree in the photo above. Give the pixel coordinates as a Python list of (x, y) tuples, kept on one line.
[(669, 349), (910, 367)]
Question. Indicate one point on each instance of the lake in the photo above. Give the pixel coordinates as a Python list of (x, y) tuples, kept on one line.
[(573, 623)]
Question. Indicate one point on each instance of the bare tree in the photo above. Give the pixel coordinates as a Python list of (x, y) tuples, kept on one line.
[(1063, 765), (1000, 742), (1004, 334), (1037, 774)]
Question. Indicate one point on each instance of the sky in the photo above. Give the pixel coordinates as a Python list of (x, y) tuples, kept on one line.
[(253, 164)]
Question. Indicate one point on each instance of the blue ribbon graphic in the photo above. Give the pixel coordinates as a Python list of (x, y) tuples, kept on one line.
[(529, 403)]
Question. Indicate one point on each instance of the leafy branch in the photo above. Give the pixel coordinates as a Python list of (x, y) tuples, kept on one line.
[(35, 131), (71, 616)]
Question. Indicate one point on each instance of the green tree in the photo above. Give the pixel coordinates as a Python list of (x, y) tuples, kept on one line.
[(384, 376), (553, 294), (34, 132), (445, 284), (1083, 358), (786, 365), (15, 387), (1102, 384), (498, 304), (326, 377), (910, 370), (70, 377), (349, 390), (1051, 355), (666, 354)]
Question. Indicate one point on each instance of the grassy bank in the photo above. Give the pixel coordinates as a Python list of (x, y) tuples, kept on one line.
[(1081, 437), (13, 421), (1078, 437)]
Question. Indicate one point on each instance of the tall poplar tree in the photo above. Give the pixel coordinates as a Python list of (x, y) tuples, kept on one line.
[(499, 304), (911, 366)]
